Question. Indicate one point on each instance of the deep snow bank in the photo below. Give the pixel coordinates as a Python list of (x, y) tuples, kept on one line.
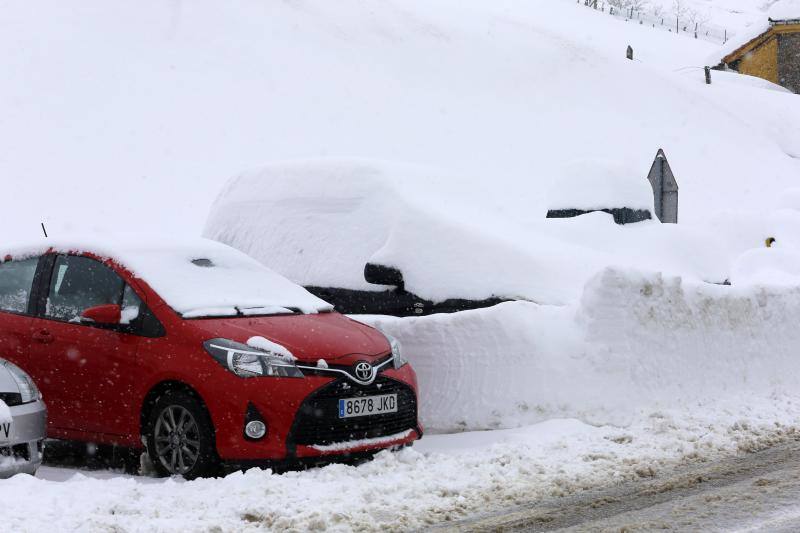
[(634, 342)]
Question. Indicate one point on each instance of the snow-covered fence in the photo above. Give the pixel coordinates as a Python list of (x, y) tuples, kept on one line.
[(688, 23)]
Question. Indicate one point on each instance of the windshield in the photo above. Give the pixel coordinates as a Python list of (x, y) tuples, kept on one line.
[(208, 279)]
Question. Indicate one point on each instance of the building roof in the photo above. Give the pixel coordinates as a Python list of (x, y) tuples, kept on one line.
[(784, 14), (757, 37)]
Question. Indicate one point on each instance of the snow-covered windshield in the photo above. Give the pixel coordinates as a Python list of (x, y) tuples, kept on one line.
[(205, 279)]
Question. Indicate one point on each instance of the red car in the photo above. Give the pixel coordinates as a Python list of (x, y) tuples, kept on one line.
[(199, 353)]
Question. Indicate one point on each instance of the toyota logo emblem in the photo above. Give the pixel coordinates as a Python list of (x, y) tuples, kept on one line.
[(363, 370)]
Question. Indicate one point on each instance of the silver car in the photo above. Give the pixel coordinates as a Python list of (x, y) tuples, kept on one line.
[(23, 422)]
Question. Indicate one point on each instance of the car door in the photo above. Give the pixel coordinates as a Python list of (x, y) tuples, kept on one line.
[(87, 369), (16, 287)]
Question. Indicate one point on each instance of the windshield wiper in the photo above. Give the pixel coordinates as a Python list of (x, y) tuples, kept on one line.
[(240, 311)]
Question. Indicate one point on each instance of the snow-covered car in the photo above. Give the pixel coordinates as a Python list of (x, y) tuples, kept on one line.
[(199, 352), (376, 237), (23, 421), (321, 222)]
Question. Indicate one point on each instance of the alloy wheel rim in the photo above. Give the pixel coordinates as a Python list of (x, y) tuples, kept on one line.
[(177, 439)]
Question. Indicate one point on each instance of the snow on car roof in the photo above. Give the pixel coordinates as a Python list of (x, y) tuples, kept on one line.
[(600, 184), (196, 277)]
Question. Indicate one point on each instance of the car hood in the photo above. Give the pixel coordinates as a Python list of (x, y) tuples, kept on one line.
[(328, 336)]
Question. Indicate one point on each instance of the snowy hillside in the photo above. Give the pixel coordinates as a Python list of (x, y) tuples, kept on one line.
[(132, 116), (715, 20)]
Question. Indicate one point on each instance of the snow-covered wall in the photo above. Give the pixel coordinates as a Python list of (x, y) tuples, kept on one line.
[(634, 343)]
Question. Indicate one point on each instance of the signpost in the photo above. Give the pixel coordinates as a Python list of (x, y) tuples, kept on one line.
[(665, 189)]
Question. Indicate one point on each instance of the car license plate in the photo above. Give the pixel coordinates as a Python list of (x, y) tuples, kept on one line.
[(367, 405), (6, 431)]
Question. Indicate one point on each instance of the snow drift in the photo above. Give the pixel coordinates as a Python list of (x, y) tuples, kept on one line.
[(635, 343), (784, 10)]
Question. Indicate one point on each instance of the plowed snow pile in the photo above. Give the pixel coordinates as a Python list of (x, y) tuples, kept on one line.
[(634, 343)]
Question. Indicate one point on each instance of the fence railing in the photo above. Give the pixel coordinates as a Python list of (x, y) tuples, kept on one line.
[(689, 25)]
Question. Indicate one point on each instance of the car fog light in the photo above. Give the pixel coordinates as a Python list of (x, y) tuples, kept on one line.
[(255, 429)]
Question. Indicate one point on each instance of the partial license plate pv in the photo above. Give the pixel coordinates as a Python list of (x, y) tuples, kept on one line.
[(367, 405), (6, 430)]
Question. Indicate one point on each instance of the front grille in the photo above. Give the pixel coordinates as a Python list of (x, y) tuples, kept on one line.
[(11, 398), (349, 369), (18, 451), (318, 422)]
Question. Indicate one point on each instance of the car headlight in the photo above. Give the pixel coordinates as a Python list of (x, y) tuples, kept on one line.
[(248, 362), (27, 388), (397, 353)]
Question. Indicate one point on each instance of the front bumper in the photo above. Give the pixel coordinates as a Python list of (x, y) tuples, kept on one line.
[(302, 420), (22, 453), (318, 430)]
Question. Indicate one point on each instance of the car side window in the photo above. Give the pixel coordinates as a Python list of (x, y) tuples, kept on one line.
[(131, 305), (78, 283), (16, 280)]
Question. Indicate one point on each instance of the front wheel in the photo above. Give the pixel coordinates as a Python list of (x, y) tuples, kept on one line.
[(180, 437)]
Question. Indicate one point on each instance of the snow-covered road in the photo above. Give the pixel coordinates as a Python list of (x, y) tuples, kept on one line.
[(443, 479), (752, 492)]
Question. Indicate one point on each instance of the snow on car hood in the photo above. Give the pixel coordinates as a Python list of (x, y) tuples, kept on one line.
[(229, 282)]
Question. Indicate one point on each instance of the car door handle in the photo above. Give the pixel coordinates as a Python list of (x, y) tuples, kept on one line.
[(43, 336)]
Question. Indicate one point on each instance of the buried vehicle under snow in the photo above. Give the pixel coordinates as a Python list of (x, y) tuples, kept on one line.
[(374, 237), (202, 354)]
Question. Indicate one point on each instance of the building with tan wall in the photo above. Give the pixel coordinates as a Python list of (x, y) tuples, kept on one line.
[(774, 55)]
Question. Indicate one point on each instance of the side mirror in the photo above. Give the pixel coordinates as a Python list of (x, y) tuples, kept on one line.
[(383, 275), (102, 314)]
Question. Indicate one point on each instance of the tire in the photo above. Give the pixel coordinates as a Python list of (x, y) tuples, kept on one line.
[(180, 437)]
